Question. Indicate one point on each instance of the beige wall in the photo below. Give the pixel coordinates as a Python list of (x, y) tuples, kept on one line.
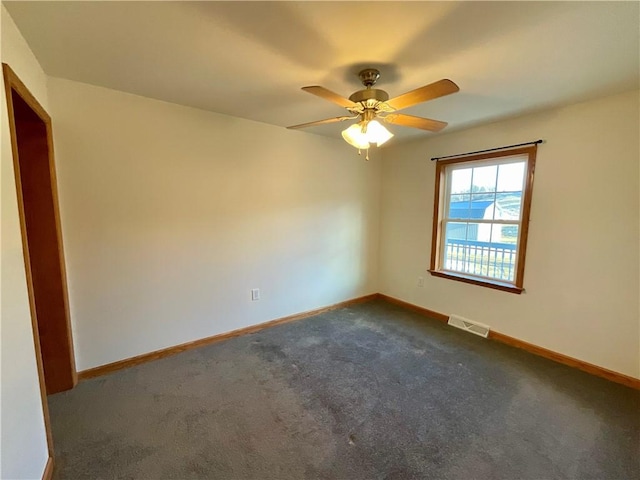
[(23, 440), (582, 271), (171, 215)]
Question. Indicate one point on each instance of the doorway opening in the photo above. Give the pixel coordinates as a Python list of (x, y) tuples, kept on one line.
[(32, 147)]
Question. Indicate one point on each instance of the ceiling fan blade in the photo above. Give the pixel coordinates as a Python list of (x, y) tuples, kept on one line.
[(321, 122), (422, 94), (415, 122), (329, 95)]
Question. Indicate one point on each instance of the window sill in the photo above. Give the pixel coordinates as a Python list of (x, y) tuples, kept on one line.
[(505, 287)]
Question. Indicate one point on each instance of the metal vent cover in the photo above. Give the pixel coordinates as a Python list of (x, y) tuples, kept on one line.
[(469, 325)]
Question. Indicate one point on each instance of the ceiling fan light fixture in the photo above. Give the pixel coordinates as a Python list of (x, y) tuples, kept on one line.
[(355, 137), (378, 134), (362, 135)]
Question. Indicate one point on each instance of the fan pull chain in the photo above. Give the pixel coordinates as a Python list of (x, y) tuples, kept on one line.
[(366, 156)]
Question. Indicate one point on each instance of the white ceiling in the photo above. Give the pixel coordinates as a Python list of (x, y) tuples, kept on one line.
[(249, 59)]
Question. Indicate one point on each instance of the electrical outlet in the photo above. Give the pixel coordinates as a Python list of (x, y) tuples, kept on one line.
[(421, 281), (255, 294)]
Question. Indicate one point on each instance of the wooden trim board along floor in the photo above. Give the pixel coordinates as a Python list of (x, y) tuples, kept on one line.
[(529, 347), (48, 469), (493, 335), (166, 352)]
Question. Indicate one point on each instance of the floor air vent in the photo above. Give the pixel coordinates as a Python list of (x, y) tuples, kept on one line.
[(469, 326)]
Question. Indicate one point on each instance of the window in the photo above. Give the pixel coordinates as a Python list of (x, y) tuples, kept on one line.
[(481, 218)]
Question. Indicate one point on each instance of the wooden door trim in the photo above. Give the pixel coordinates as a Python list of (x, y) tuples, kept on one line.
[(13, 84)]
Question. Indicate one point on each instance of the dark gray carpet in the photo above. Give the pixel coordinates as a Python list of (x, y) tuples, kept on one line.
[(367, 392)]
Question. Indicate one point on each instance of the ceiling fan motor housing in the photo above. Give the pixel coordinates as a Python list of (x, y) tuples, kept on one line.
[(368, 77), (369, 94)]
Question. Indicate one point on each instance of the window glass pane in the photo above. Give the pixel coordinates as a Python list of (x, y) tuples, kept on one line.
[(506, 234), (475, 197), (461, 180), (459, 206), (454, 248), (477, 231), (484, 179), (456, 231), (477, 238), (472, 251), (503, 252), (482, 206), (508, 206), (487, 250), (510, 177)]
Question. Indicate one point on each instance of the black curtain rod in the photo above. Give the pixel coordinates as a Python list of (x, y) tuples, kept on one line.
[(488, 150)]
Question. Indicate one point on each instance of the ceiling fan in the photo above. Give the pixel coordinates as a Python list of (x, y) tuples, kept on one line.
[(371, 103)]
